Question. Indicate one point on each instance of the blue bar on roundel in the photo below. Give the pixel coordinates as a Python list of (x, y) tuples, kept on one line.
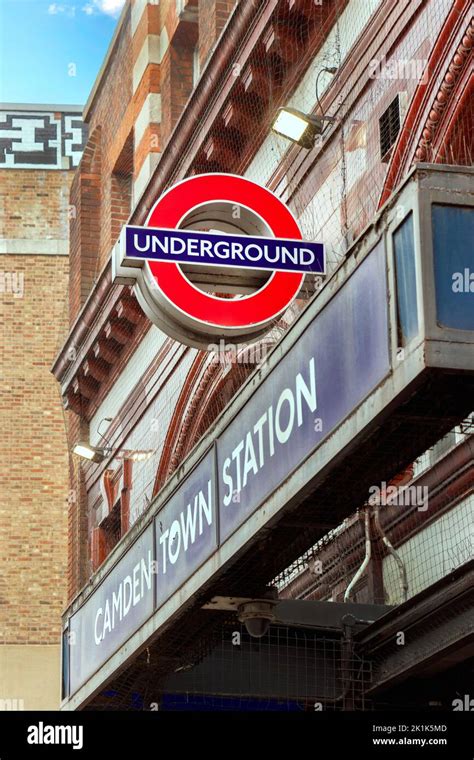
[(221, 249)]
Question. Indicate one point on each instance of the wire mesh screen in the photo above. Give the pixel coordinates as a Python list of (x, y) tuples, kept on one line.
[(290, 669), (416, 538), (420, 528), (290, 68)]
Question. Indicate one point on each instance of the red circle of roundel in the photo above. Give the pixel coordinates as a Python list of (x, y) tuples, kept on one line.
[(261, 306)]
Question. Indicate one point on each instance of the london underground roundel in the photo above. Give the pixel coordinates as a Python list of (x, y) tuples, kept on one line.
[(219, 257)]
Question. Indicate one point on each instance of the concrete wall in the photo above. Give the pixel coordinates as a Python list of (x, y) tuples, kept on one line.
[(30, 677)]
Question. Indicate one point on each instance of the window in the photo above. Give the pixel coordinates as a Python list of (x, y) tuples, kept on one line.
[(389, 127), (196, 66), (453, 233), (405, 275)]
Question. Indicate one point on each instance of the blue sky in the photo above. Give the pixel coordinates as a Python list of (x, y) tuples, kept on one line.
[(51, 52)]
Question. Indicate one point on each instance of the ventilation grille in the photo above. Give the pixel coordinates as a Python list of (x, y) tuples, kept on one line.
[(389, 125)]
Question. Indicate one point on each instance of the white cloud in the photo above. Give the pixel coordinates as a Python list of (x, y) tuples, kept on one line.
[(55, 8), (109, 7)]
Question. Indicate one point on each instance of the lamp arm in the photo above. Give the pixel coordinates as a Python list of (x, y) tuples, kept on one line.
[(328, 70), (104, 438)]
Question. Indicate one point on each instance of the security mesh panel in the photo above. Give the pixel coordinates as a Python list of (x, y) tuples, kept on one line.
[(420, 543), (421, 528), (290, 669), (428, 643)]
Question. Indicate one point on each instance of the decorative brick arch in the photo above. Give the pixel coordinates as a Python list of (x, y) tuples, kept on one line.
[(209, 386), (439, 108)]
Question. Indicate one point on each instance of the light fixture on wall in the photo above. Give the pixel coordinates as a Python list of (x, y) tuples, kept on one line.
[(84, 450), (300, 127), (97, 454), (297, 126)]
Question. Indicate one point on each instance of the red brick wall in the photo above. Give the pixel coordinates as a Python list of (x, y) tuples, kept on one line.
[(94, 190), (177, 75), (85, 224), (213, 15), (113, 113), (101, 194), (77, 538), (120, 199)]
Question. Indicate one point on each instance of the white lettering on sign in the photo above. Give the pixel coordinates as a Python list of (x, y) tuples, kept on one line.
[(231, 250), (185, 529), (130, 592), (277, 423)]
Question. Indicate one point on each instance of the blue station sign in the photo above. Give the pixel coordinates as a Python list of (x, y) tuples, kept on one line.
[(338, 360)]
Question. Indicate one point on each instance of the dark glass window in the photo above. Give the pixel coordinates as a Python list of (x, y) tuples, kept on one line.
[(65, 665), (453, 251), (389, 126), (405, 275)]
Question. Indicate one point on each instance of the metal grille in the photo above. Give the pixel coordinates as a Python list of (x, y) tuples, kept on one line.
[(430, 545), (288, 670), (427, 516), (389, 126)]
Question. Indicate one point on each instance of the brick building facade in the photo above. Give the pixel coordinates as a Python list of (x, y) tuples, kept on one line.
[(145, 82), (41, 146), (190, 87)]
